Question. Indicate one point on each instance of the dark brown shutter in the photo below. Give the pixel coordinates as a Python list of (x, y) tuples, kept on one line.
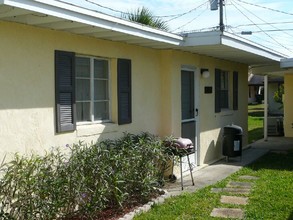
[(217, 90), (124, 91), (235, 90), (65, 91)]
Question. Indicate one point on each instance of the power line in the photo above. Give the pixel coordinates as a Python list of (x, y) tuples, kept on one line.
[(105, 7), (93, 10), (174, 16), (261, 39), (194, 9), (274, 30), (226, 19), (182, 14), (263, 7), (269, 30), (267, 23), (261, 30), (189, 21)]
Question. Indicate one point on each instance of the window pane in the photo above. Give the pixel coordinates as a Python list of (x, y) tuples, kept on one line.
[(101, 110), (224, 90), (188, 130), (82, 65), (101, 90), (83, 111), (82, 92), (101, 69), (187, 95), (224, 80), (224, 99)]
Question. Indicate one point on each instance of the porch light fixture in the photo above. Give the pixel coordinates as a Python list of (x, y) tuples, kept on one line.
[(205, 73)]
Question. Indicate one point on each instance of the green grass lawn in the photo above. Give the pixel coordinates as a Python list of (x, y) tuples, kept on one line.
[(255, 122), (271, 196)]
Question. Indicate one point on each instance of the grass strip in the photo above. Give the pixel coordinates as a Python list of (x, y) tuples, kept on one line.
[(255, 122)]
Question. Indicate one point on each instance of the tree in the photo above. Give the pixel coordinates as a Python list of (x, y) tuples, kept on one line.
[(145, 16)]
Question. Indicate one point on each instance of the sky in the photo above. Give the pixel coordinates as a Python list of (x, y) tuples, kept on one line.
[(269, 21)]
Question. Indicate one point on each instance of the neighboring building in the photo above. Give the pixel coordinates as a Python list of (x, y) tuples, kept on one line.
[(255, 89), (274, 71), (256, 92), (275, 108), (69, 74)]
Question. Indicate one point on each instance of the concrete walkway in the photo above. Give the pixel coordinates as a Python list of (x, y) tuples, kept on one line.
[(220, 170)]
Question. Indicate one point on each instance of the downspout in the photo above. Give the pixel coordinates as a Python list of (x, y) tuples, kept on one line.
[(266, 108)]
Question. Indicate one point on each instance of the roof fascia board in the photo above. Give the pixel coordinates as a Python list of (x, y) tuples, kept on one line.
[(248, 46), (88, 17), (202, 39), (230, 40)]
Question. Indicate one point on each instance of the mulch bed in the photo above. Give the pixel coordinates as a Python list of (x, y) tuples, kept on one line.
[(114, 213)]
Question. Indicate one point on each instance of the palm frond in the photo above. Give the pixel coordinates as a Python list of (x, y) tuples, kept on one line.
[(145, 16)]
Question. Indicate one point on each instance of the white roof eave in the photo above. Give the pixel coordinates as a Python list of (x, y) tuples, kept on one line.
[(93, 18), (230, 47), (254, 48), (78, 20)]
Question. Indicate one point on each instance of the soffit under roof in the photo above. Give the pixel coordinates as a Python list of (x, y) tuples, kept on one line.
[(65, 17)]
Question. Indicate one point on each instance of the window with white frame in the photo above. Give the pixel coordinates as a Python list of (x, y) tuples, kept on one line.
[(224, 90), (92, 89)]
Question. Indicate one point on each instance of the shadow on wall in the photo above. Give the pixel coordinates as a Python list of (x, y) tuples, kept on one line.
[(214, 150)]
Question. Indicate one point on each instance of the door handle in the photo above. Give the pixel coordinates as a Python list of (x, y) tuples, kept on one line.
[(196, 110)]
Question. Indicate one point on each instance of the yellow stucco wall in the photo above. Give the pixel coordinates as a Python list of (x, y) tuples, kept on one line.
[(27, 90), (27, 93), (288, 105), (210, 123)]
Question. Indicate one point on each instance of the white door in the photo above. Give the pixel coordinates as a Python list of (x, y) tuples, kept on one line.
[(189, 110)]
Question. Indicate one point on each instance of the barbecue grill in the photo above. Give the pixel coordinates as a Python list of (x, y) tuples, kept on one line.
[(181, 147)]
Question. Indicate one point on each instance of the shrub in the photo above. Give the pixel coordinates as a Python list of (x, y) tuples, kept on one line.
[(83, 182)]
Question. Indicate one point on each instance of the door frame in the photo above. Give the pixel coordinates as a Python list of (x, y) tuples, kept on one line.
[(196, 72)]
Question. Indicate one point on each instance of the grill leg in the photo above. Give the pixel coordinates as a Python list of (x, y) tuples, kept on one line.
[(190, 169), (181, 173)]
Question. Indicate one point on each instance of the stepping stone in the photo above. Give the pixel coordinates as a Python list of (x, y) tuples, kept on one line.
[(216, 190), (249, 177), (235, 200), (240, 184), (227, 213), (236, 190), (231, 190)]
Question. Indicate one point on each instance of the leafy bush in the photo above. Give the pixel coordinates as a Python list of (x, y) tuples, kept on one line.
[(278, 95), (83, 182)]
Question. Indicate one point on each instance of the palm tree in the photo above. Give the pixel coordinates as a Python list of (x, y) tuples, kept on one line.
[(145, 16)]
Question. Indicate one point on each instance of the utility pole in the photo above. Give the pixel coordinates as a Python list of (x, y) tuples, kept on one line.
[(222, 26)]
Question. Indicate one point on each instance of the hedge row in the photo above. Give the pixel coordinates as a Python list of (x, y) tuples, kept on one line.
[(82, 180)]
